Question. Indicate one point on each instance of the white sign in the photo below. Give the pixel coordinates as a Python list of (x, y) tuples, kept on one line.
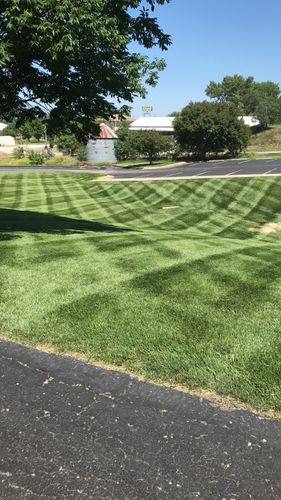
[(147, 109)]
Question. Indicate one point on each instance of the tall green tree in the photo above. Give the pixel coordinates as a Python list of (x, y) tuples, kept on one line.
[(33, 128), (260, 99), (208, 127), (75, 59), (151, 144)]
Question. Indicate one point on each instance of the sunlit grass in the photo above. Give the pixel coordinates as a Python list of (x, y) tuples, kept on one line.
[(163, 278)]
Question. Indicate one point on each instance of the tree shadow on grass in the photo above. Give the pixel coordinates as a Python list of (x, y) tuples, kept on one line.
[(35, 222)]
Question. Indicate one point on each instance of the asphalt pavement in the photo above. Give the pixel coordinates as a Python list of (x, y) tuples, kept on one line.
[(69, 430), (231, 168)]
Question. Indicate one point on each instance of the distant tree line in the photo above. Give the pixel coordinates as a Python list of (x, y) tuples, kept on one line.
[(35, 129), (248, 97)]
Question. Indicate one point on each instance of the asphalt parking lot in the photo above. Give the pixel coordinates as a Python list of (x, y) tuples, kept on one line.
[(231, 168)]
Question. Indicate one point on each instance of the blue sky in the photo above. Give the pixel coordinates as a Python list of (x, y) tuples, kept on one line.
[(211, 39)]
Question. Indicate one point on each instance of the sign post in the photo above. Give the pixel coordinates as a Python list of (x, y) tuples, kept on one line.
[(147, 110)]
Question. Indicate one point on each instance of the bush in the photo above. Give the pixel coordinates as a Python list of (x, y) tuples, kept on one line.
[(82, 154), (19, 152), (36, 158), (68, 144)]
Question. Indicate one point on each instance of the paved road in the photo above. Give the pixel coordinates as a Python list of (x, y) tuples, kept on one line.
[(69, 430), (233, 168)]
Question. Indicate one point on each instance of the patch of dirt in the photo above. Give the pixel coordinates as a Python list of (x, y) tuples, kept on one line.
[(269, 227), (104, 178)]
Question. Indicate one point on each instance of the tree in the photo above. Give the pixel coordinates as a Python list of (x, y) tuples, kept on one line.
[(75, 60), (33, 128), (207, 127), (38, 128), (26, 130), (260, 99), (125, 147), (151, 143), (68, 143)]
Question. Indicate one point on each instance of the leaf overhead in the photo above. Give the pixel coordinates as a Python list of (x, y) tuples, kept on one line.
[(74, 60)]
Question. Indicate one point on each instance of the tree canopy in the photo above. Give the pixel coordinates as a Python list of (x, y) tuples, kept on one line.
[(260, 99), (146, 143), (74, 60), (209, 127)]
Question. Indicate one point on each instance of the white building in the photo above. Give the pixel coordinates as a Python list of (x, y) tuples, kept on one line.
[(7, 141), (251, 121), (163, 124)]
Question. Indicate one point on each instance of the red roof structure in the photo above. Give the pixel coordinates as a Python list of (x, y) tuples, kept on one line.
[(106, 132)]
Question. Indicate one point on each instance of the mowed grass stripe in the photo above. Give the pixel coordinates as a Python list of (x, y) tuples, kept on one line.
[(185, 296)]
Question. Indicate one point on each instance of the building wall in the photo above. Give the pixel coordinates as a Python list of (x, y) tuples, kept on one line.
[(101, 150), (7, 140)]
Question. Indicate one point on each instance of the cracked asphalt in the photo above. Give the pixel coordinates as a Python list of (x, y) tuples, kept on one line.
[(70, 430)]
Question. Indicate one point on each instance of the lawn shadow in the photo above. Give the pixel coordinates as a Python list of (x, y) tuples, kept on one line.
[(36, 222)]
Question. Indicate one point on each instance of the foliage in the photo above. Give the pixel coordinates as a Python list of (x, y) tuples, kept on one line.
[(38, 128), (147, 143), (73, 60), (81, 153), (123, 130), (68, 143), (206, 127), (19, 153), (151, 144), (260, 99), (26, 130), (125, 147), (36, 158)]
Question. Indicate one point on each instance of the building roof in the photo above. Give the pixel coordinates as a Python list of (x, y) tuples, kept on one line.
[(106, 132), (159, 123)]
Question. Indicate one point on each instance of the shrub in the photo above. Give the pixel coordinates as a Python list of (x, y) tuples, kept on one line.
[(19, 152), (36, 158), (68, 144), (81, 153)]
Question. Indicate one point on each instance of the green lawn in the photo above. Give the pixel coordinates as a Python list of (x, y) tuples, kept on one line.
[(183, 295)]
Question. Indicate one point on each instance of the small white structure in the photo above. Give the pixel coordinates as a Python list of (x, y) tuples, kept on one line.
[(102, 148), (164, 124), (2, 126), (251, 121), (7, 141)]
